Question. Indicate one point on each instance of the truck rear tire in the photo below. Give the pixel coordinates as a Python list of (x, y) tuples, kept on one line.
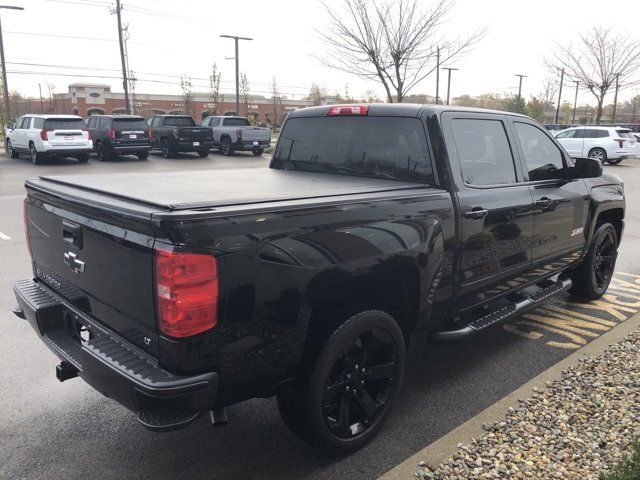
[(349, 385), (203, 152), (142, 155), (257, 151), (167, 151), (591, 279), (83, 158), (225, 147)]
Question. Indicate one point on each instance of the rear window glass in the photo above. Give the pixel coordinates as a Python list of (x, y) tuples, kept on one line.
[(236, 122), (130, 123), (64, 123), (179, 122), (625, 134), (384, 147)]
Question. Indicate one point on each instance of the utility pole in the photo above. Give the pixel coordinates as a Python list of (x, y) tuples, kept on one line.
[(615, 99), (125, 85), (519, 91), (41, 102), (236, 38), (438, 76), (559, 95), (5, 86), (575, 103), (448, 81)]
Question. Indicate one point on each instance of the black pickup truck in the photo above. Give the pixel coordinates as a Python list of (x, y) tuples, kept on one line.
[(172, 134), (178, 294)]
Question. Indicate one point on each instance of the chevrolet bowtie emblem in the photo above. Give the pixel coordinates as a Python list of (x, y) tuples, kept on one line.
[(71, 259)]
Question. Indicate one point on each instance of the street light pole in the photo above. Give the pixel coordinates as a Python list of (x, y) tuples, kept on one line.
[(519, 91), (5, 86), (41, 102), (236, 38), (448, 81)]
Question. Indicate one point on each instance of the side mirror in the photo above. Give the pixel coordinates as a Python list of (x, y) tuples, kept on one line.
[(587, 167), (10, 126)]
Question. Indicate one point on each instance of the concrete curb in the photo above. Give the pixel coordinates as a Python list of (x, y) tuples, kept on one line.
[(446, 446)]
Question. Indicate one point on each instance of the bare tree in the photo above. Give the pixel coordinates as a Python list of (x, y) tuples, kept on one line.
[(244, 93), (635, 107), (50, 91), (214, 88), (548, 93), (316, 94), (187, 94), (393, 42), (600, 57)]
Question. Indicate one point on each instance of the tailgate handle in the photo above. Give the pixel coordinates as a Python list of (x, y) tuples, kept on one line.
[(72, 233)]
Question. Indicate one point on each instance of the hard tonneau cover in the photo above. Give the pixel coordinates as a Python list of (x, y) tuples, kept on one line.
[(217, 188)]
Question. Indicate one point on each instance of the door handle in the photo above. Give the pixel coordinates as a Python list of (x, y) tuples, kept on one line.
[(544, 202), (476, 213)]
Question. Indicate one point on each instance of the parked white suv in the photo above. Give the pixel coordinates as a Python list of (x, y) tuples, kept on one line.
[(46, 136), (607, 144)]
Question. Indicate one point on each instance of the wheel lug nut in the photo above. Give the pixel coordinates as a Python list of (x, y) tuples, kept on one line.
[(348, 376), (362, 382), (363, 370), (348, 388), (357, 367)]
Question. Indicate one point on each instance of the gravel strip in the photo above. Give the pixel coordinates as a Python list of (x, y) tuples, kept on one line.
[(576, 428)]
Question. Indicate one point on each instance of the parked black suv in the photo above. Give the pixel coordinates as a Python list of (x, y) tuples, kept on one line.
[(119, 135)]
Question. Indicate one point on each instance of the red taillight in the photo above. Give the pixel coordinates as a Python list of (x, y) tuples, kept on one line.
[(25, 220), (239, 134), (112, 133), (43, 134), (187, 292), (337, 110), (150, 133), (620, 142)]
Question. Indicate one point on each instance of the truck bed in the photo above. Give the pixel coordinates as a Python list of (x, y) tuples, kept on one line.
[(173, 191)]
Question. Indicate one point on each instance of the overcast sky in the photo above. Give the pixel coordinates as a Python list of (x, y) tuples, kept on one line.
[(171, 37)]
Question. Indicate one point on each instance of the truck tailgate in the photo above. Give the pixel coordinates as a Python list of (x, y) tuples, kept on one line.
[(253, 134), (101, 263), (196, 133)]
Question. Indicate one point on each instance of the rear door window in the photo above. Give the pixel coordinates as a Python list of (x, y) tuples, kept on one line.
[(484, 151), (383, 147), (542, 156), (214, 122), (65, 124), (566, 134)]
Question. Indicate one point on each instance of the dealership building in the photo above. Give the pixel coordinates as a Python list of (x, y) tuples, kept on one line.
[(87, 99)]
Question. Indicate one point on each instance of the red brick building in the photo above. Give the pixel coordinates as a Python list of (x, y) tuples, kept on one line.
[(86, 99)]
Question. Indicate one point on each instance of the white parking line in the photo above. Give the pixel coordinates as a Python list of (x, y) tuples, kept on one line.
[(4, 237)]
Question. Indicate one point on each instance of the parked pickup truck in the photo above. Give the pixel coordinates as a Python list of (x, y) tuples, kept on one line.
[(172, 134), (236, 133), (180, 294)]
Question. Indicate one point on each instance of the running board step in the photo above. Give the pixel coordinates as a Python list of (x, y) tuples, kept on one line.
[(514, 308)]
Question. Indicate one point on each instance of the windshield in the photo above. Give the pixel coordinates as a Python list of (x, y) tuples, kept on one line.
[(64, 124), (236, 122), (386, 147), (179, 122), (130, 124)]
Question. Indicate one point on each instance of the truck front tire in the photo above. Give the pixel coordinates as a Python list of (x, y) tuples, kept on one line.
[(225, 147), (591, 279), (348, 388), (167, 151)]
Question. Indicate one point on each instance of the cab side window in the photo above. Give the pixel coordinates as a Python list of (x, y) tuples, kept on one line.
[(543, 157), (484, 151)]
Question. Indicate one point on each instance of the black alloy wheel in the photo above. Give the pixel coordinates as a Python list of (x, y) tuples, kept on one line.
[(165, 149), (360, 383), (604, 260), (348, 384), (591, 278)]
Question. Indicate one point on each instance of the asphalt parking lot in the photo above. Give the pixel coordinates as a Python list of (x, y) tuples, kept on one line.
[(55, 430)]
